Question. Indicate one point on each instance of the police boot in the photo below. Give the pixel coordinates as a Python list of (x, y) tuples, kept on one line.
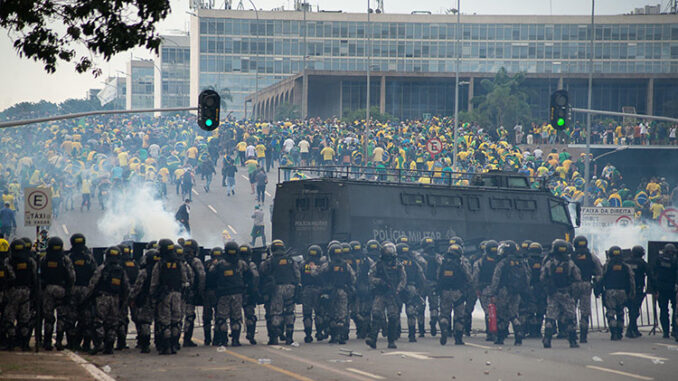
[(273, 335), (412, 334), (59, 341), (467, 326), (108, 347), (548, 333), (174, 344), (443, 335), (392, 334), (25, 343), (573, 339), (583, 335), (364, 330), (499, 339), (47, 342), (333, 335), (250, 334), (163, 346), (371, 340), (309, 335), (97, 347), (289, 335), (422, 328), (122, 341), (188, 336), (86, 344), (432, 323), (343, 334), (145, 344), (207, 332), (518, 338), (235, 338), (458, 338)]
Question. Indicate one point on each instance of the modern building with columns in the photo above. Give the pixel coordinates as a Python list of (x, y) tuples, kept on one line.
[(318, 60)]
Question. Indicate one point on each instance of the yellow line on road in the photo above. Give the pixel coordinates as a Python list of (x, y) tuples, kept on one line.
[(619, 372), (317, 365), (478, 346), (366, 374), (233, 230), (274, 368), (212, 209)]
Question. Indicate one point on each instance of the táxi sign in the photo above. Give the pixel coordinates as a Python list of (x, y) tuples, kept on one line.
[(37, 206)]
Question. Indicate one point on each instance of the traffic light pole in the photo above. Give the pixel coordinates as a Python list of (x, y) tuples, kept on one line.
[(626, 114), (16, 123)]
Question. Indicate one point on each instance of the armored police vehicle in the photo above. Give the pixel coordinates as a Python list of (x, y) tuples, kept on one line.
[(316, 206)]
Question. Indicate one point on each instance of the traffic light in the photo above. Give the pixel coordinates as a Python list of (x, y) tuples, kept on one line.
[(209, 102), (559, 111)]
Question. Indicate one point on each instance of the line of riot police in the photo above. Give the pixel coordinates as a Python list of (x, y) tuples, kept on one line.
[(91, 305)]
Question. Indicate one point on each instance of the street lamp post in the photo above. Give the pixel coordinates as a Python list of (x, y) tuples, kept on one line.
[(456, 88), (369, 53), (256, 59), (587, 161)]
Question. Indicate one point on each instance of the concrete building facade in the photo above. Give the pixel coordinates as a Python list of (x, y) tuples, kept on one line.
[(140, 83), (172, 73)]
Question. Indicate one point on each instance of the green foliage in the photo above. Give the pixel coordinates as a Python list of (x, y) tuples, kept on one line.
[(224, 95), (504, 102), (351, 116), (287, 111), (103, 27), (30, 110)]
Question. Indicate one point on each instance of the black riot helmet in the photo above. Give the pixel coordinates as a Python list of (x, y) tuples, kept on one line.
[(669, 250), (166, 249), (456, 240), (427, 244), (150, 259), (314, 251), (113, 255), (126, 248), (333, 242), (535, 249), (525, 245), (403, 239), (560, 249), (152, 245), (373, 246), (508, 248), (18, 247), (455, 251), (231, 248), (580, 243), (217, 252), (345, 248), (335, 251), (55, 246), (277, 247), (356, 247), (491, 248), (403, 249), (388, 251), (614, 252), (638, 251), (190, 248), (78, 241), (245, 252)]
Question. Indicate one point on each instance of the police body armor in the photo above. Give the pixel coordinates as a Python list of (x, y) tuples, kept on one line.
[(451, 276), (665, 274), (306, 278), (584, 261), (639, 276), (388, 272), (23, 271), (487, 270), (561, 276), (54, 271), (339, 276), (410, 270), (132, 270), (229, 280), (362, 276), (513, 276), (83, 269), (170, 276), (616, 277), (4, 276), (431, 267), (113, 278), (283, 270)]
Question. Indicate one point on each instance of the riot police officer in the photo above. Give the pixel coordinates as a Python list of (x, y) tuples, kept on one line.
[(558, 274), (363, 297), (340, 279), (618, 286), (6, 280), (17, 316), (251, 296), (410, 296), (80, 317), (57, 277), (143, 302), (195, 294), (664, 286), (590, 269), (433, 259), (210, 303), (536, 303), (286, 276), (168, 279), (311, 290), (510, 279), (483, 270), (388, 279), (132, 271), (452, 279), (110, 288), (640, 270)]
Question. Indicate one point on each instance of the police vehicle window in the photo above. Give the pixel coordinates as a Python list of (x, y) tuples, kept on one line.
[(303, 203), (518, 182), (321, 203), (526, 204), (445, 201), (412, 199), (473, 203), (558, 213), (491, 181), (500, 203)]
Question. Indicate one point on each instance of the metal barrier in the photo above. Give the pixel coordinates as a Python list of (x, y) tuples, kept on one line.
[(598, 321)]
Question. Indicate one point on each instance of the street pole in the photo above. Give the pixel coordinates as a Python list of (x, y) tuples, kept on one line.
[(256, 58), (456, 88), (369, 53), (587, 159)]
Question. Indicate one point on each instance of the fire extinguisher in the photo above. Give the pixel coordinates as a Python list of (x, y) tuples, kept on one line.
[(492, 317)]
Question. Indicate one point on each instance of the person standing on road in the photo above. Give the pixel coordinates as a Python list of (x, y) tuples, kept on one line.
[(640, 270), (590, 269), (261, 180), (182, 215), (258, 227), (208, 172), (7, 221), (388, 279), (618, 287), (196, 295), (453, 276), (86, 190), (57, 277), (664, 282), (228, 171), (251, 295), (80, 321)]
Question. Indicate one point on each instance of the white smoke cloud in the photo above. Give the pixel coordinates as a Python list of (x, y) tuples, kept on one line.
[(137, 215), (602, 238)]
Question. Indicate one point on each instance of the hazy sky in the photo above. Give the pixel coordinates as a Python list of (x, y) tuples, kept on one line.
[(26, 80)]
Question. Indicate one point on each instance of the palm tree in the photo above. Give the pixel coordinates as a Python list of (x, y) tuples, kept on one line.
[(224, 94)]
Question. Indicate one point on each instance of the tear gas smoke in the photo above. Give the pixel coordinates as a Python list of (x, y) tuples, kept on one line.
[(136, 214), (602, 238)]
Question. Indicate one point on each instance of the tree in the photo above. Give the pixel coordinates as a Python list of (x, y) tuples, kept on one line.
[(103, 27), (504, 104), (73, 105), (287, 111), (224, 95), (352, 116), (27, 110)]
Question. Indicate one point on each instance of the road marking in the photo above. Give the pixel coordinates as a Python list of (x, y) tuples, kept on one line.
[(212, 209), (245, 177), (233, 230), (281, 348), (478, 346), (195, 192), (319, 365), (267, 194), (639, 355), (95, 372), (619, 372), (366, 374), (669, 346), (219, 369), (414, 355), (63, 226), (31, 377)]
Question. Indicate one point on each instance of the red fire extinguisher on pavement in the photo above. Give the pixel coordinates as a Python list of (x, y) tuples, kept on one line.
[(492, 317)]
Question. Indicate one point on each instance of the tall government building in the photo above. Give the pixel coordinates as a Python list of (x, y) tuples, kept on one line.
[(318, 60)]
